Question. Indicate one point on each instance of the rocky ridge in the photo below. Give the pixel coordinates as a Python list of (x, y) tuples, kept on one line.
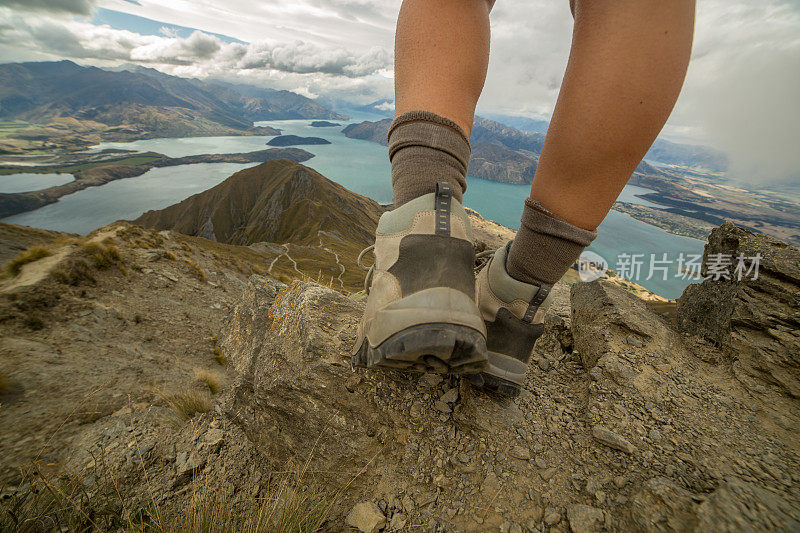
[(626, 422)]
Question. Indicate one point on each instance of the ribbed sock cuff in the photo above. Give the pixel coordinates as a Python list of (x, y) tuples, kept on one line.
[(545, 247), (425, 148)]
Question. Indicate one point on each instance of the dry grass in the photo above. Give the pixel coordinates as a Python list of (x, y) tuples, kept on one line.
[(171, 256), (212, 380), (13, 267), (102, 255), (291, 504), (188, 403), (196, 270), (73, 271), (80, 266), (219, 356)]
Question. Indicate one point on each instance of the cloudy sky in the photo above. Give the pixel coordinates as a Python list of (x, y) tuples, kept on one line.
[(740, 94)]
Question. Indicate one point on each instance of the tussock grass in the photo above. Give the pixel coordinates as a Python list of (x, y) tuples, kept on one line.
[(291, 506), (212, 380), (102, 255), (291, 503), (188, 403), (219, 356), (14, 266), (81, 266), (196, 270)]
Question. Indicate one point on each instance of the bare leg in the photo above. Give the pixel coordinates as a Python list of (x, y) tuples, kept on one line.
[(625, 71), (441, 57)]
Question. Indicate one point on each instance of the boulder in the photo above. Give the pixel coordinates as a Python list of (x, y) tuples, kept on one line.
[(605, 317), (756, 322)]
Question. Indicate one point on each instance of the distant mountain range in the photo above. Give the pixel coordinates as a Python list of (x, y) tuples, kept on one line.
[(499, 152), (69, 106)]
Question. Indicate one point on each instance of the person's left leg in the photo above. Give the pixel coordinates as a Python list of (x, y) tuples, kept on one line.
[(441, 57), (421, 312)]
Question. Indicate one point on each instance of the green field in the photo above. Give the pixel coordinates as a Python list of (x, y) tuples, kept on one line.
[(70, 168), (8, 128)]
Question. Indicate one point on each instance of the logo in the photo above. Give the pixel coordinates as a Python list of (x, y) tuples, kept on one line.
[(591, 266)]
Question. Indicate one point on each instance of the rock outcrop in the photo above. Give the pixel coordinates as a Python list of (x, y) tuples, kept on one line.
[(755, 320)]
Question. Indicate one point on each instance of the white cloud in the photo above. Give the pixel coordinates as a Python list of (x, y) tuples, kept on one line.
[(79, 7)]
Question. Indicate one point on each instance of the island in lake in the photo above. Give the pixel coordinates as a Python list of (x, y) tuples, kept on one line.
[(323, 124), (296, 140)]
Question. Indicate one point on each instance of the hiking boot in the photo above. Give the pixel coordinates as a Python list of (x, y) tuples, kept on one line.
[(421, 314), (514, 315)]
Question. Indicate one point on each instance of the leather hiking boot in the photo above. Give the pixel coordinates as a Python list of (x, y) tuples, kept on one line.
[(514, 315), (421, 314)]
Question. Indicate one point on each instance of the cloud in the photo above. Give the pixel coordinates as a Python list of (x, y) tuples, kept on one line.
[(78, 7), (741, 89), (738, 94), (304, 58)]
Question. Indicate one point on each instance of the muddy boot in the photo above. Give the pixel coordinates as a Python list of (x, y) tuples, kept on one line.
[(421, 314), (514, 314)]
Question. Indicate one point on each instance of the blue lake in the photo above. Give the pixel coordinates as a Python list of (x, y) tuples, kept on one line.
[(361, 166)]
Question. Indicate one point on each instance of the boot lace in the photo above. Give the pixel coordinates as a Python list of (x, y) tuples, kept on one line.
[(370, 269)]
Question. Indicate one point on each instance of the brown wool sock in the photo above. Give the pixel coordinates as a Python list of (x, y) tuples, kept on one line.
[(425, 148), (545, 246)]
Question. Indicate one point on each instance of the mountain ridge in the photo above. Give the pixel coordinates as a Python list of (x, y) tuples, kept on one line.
[(123, 105)]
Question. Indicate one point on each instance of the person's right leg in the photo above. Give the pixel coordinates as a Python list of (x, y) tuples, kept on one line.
[(626, 67)]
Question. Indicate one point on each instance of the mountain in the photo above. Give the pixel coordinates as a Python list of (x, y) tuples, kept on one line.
[(369, 131), (534, 125), (688, 155), (283, 203), (499, 152), (133, 104)]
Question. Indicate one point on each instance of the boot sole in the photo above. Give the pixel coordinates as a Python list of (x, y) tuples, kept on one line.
[(437, 348), (503, 375), (495, 385)]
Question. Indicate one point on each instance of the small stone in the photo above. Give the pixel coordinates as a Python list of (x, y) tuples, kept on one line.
[(611, 439), (544, 364), (450, 396), (510, 527), (366, 517), (654, 435), (352, 382), (541, 463), (521, 452), (548, 474), (633, 341), (552, 517), (585, 519), (441, 406), (428, 381), (408, 504), (397, 522)]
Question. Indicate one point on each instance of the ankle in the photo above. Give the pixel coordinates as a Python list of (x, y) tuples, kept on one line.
[(545, 247), (425, 148)]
